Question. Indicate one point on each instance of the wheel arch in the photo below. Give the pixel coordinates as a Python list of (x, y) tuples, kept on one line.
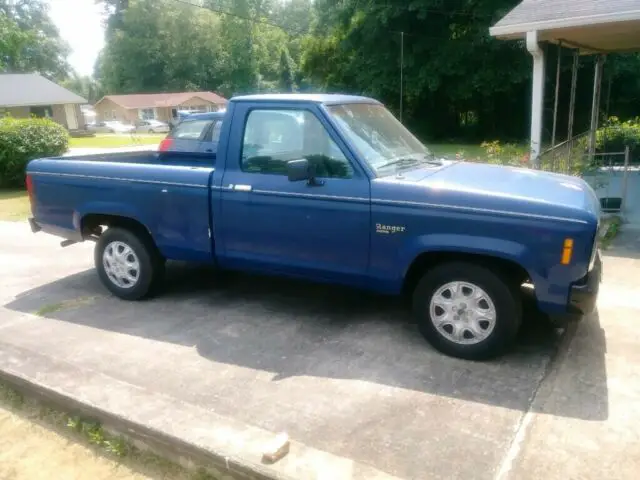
[(91, 224), (428, 260)]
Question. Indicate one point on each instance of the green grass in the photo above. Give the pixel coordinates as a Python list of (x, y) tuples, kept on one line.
[(507, 153), (115, 140), (14, 205), (611, 229), (52, 308), (451, 149)]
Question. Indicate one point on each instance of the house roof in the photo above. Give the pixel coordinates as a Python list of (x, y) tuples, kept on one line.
[(589, 25), (31, 89), (154, 100)]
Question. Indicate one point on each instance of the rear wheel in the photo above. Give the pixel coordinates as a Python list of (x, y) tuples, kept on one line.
[(128, 264), (467, 311)]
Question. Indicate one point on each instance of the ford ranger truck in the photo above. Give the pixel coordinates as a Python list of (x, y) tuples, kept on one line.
[(332, 188)]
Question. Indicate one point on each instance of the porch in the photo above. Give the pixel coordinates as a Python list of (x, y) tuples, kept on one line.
[(589, 29)]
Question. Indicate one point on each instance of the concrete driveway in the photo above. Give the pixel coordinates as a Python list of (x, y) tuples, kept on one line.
[(344, 373)]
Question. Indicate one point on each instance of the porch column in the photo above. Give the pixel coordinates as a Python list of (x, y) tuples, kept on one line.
[(556, 96), (572, 100), (595, 106), (537, 96)]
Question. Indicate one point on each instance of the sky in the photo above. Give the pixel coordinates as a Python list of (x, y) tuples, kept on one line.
[(79, 22)]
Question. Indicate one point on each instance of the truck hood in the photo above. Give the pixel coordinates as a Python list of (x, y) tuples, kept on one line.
[(501, 188)]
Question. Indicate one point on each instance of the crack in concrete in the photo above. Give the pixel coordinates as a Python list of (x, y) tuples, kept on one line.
[(523, 426)]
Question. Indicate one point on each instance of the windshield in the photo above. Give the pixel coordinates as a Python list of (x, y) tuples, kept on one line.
[(381, 140)]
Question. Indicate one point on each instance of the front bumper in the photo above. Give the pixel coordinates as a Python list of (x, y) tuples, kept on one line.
[(584, 294)]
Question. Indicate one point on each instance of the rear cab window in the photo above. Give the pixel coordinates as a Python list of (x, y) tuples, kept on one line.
[(191, 129)]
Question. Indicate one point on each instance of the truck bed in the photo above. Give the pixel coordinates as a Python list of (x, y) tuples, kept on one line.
[(168, 194)]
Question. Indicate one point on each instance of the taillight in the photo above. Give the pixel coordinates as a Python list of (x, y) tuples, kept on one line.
[(30, 191), (165, 144)]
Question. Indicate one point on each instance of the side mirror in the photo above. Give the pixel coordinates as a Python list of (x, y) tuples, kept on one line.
[(298, 170)]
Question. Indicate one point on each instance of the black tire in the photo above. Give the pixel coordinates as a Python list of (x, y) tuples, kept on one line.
[(504, 296), (151, 264)]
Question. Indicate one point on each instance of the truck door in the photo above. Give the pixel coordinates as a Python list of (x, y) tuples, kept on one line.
[(269, 222)]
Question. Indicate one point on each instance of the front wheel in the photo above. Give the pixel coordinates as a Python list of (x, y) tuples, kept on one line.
[(467, 311), (128, 264)]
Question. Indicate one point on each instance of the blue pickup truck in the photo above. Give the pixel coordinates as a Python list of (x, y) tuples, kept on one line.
[(332, 188)]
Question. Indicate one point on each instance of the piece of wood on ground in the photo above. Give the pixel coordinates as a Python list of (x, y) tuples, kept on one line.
[(276, 448)]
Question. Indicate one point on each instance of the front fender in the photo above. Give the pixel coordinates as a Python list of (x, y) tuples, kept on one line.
[(469, 244)]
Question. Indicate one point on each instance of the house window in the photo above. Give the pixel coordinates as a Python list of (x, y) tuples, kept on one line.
[(41, 112), (147, 113)]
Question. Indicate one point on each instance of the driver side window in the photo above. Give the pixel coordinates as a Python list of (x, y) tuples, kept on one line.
[(274, 137)]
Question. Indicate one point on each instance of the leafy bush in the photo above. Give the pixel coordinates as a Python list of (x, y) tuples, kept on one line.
[(22, 140), (505, 154), (616, 135)]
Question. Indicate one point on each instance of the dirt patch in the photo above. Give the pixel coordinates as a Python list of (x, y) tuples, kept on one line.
[(38, 442), (29, 451), (59, 306)]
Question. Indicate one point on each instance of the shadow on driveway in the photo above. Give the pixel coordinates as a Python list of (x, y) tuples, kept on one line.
[(292, 328)]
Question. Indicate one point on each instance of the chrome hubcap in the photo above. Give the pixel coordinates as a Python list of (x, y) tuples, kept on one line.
[(121, 264), (462, 313)]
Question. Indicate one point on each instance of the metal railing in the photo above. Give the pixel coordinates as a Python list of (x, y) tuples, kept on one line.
[(572, 157), (603, 174), (567, 157)]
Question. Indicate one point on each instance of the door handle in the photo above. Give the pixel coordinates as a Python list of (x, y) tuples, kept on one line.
[(242, 188)]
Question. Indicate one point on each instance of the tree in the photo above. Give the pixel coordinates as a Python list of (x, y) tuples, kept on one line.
[(452, 69), (160, 45), (286, 71), (229, 46), (29, 41), (84, 86), (459, 83), (239, 62)]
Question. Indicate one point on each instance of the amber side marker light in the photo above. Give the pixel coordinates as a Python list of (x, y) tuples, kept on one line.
[(567, 251)]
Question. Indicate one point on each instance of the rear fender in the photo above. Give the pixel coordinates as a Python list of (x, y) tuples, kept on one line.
[(107, 208)]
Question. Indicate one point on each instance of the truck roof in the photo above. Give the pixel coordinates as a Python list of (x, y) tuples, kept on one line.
[(204, 115), (325, 98)]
